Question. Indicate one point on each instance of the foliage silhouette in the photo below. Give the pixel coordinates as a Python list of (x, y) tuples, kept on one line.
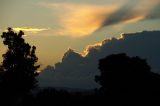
[(18, 69), (123, 78)]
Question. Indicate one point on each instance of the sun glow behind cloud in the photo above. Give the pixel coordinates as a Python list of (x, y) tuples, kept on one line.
[(80, 20), (85, 20), (90, 47)]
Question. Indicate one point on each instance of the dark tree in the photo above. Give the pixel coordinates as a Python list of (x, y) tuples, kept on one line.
[(125, 76), (18, 69)]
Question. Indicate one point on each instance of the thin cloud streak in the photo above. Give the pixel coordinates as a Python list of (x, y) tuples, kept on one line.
[(32, 30)]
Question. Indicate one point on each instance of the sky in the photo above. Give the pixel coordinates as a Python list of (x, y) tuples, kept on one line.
[(54, 26)]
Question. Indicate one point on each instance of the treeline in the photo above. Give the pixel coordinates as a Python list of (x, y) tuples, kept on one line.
[(124, 80)]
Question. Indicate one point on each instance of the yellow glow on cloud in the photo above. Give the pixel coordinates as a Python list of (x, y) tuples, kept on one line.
[(98, 45), (135, 19), (84, 21), (78, 20), (89, 47), (32, 30)]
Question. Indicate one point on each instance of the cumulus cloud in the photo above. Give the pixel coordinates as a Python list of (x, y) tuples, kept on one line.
[(78, 71), (90, 47)]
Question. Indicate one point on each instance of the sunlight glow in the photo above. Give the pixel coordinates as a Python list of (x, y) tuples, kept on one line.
[(33, 30), (136, 19), (79, 20), (89, 47)]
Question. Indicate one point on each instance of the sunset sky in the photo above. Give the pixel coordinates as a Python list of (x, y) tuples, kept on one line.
[(53, 26)]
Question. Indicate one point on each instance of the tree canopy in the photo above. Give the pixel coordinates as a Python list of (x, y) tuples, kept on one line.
[(19, 66), (127, 76)]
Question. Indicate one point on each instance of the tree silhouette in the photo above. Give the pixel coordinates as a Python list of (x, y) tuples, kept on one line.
[(125, 76), (18, 69)]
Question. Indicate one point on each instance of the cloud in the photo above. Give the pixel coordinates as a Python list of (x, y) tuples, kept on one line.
[(32, 30), (78, 71), (134, 11), (90, 47), (80, 20), (154, 14)]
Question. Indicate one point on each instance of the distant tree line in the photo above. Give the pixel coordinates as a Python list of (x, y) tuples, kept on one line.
[(124, 80)]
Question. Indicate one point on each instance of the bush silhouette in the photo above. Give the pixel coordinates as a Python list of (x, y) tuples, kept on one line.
[(18, 69), (123, 76)]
